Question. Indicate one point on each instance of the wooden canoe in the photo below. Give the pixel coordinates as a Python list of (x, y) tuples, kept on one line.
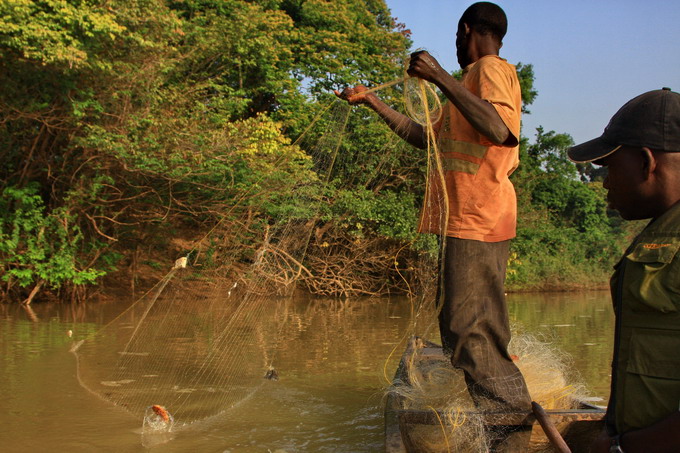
[(578, 426)]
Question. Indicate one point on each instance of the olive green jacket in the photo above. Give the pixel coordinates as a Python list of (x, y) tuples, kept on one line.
[(646, 293)]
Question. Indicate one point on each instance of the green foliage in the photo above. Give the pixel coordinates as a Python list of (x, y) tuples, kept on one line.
[(56, 32), (347, 42), (525, 74), (236, 54), (389, 214), (566, 238), (35, 247), (129, 123)]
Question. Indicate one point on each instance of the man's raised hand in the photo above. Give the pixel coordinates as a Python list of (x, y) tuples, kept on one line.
[(354, 95), (424, 66)]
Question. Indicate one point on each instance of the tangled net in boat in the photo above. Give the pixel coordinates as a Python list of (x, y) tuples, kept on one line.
[(435, 386)]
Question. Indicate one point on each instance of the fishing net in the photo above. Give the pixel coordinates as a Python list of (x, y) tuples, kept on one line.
[(204, 339), (443, 418), (194, 354), (201, 342)]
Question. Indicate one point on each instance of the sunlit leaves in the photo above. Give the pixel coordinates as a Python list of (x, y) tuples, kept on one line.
[(56, 31), (347, 42)]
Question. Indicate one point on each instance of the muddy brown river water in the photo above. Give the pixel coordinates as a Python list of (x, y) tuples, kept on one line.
[(333, 370)]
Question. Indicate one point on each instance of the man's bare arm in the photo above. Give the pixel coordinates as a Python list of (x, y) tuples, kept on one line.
[(479, 113), (402, 125)]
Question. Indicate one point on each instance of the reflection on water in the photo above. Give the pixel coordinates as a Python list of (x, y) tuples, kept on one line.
[(580, 324), (333, 359)]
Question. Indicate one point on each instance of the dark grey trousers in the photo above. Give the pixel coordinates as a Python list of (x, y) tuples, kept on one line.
[(474, 324)]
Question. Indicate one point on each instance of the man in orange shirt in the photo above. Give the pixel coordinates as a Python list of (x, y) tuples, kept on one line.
[(478, 137)]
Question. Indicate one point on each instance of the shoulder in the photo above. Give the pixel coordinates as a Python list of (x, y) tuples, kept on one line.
[(493, 65), (667, 224)]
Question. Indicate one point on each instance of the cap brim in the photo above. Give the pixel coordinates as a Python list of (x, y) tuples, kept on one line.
[(591, 150)]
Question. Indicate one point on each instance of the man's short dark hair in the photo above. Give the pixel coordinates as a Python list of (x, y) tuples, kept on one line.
[(486, 18)]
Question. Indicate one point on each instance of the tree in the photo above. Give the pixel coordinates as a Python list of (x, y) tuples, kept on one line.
[(124, 124), (566, 237), (126, 120)]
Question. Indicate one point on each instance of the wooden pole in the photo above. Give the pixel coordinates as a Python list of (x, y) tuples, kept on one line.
[(553, 434)]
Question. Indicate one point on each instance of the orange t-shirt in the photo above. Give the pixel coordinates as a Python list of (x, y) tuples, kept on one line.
[(482, 201)]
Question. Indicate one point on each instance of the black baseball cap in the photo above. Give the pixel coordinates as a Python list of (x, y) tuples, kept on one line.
[(651, 120)]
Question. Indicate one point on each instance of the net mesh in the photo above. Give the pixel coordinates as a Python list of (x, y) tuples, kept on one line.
[(194, 355), (201, 342)]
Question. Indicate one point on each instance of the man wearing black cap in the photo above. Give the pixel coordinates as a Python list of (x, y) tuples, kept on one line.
[(641, 150)]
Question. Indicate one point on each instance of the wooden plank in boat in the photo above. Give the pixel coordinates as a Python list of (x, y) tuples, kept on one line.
[(429, 417)]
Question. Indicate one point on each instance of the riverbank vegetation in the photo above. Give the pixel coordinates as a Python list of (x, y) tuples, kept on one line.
[(136, 132)]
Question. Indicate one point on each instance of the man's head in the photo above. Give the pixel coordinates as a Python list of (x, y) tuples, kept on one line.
[(487, 21), (641, 149)]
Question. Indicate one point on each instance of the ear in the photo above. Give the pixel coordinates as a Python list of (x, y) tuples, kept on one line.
[(649, 162)]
